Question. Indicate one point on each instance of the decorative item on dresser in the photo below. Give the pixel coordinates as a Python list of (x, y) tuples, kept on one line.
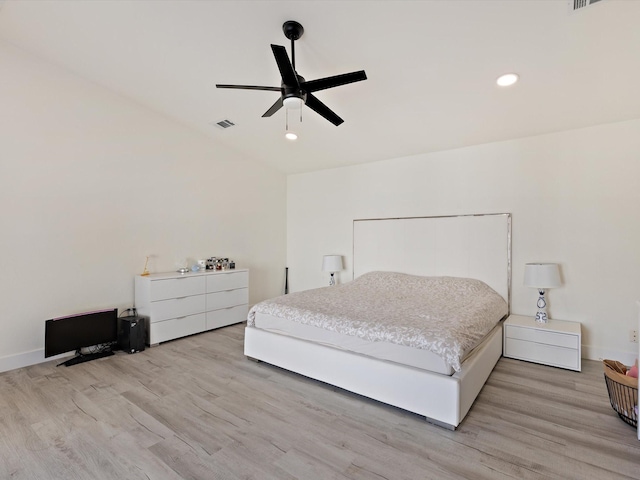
[(145, 272), (556, 343), (332, 264), (542, 276), (183, 304)]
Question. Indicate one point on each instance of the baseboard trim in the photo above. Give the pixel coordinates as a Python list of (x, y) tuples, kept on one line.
[(26, 359), (597, 353)]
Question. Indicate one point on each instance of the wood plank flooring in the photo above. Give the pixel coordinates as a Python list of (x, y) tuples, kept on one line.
[(196, 408)]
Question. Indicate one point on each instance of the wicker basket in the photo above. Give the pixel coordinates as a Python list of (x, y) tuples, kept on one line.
[(623, 391)]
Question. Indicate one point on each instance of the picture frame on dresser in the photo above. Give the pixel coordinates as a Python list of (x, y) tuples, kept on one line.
[(182, 304)]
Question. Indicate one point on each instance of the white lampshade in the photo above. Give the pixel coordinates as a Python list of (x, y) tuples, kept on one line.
[(542, 275), (332, 263)]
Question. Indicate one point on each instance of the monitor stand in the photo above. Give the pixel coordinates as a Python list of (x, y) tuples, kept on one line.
[(86, 357)]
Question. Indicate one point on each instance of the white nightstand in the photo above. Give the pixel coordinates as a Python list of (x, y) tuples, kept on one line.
[(556, 343)]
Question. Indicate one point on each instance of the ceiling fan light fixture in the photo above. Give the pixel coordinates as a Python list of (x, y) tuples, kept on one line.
[(507, 79), (292, 102)]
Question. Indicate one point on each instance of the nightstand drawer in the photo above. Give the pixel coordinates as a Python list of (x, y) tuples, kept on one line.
[(556, 343), (540, 336), (540, 353)]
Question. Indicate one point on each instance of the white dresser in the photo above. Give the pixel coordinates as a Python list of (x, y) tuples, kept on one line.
[(556, 343), (183, 304)]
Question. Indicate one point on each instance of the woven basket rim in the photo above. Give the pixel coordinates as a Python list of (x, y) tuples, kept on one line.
[(615, 375)]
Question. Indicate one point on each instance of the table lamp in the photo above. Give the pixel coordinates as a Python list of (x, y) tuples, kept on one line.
[(332, 264), (542, 276)]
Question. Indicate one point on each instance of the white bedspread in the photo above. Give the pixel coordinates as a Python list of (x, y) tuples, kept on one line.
[(446, 315)]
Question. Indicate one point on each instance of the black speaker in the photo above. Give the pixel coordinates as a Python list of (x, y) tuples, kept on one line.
[(132, 333)]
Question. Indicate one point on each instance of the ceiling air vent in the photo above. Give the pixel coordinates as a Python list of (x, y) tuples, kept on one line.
[(575, 5), (224, 124)]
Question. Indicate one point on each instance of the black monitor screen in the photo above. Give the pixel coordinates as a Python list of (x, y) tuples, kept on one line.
[(72, 333)]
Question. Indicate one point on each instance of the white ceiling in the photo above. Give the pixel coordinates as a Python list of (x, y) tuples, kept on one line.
[(431, 68)]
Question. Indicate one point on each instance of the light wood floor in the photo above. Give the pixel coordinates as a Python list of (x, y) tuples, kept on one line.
[(197, 409)]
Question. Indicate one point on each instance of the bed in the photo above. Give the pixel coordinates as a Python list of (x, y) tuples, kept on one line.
[(407, 374)]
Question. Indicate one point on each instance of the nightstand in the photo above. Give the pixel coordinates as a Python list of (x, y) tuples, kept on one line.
[(556, 343)]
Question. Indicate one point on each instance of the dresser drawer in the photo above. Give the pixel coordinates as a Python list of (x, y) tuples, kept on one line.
[(177, 307), (540, 336), (227, 298), (227, 281), (176, 327), (541, 353), (226, 316), (177, 287)]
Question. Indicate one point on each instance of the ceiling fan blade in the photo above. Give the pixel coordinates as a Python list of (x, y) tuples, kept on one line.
[(288, 74), (335, 81), (274, 108), (249, 87), (314, 104)]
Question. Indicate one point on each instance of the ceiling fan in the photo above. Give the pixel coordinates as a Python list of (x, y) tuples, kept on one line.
[(294, 88)]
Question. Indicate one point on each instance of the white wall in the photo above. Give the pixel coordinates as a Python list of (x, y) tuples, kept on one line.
[(575, 200), (91, 183)]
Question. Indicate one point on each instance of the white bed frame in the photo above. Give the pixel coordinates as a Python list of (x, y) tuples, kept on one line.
[(475, 246)]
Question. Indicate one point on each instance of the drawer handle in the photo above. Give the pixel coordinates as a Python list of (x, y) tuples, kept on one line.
[(180, 318), (180, 298)]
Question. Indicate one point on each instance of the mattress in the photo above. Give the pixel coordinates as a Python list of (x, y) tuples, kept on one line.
[(446, 316), (410, 356)]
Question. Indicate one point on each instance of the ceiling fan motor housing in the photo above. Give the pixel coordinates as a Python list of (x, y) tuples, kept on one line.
[(294, 91)]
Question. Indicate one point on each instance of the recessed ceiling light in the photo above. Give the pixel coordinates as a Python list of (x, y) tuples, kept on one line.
[(291, 136), (507, 79)]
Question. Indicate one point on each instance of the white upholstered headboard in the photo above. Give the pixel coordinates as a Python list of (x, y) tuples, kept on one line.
[(473, 246)]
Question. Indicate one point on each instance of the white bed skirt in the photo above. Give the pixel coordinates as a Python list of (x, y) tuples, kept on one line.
[(442, 399)]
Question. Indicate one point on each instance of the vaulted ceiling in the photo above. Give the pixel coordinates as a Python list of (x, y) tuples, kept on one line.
[(431, 68)]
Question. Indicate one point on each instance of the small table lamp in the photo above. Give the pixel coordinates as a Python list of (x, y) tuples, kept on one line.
[(542, 276), (332, 264)]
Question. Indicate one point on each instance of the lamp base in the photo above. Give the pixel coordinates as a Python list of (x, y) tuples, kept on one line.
[(541, 315), (332, 280)]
